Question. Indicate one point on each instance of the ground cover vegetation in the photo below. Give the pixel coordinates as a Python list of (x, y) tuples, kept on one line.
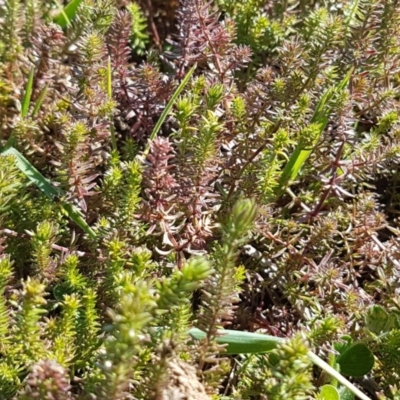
[(199, 200)]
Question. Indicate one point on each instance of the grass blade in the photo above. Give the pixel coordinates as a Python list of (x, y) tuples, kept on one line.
[(351, 18), (246, 342), (168, 108), (109, 95), (27, 96), (336, 375), (67, 14), (109, 79), (300, 154), (241, 342), (39, 101), (48, 189), (26, 101), (32, 173)]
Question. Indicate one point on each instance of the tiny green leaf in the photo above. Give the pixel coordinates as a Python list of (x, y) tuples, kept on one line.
[(357, 360), (329, 392), (344, 344), (378, 320), (345, 394)]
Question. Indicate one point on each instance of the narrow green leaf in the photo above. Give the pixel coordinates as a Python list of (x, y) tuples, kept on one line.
[(76, 216), (39, 101), (11, 141), (329, 392), (67, 14), (168, 108), (357, 360), (300, 154), (32, 173), (352, 16), (27, 96), (239, 342), (109, 95), (109, 79), (292, 168), (48, 189)]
